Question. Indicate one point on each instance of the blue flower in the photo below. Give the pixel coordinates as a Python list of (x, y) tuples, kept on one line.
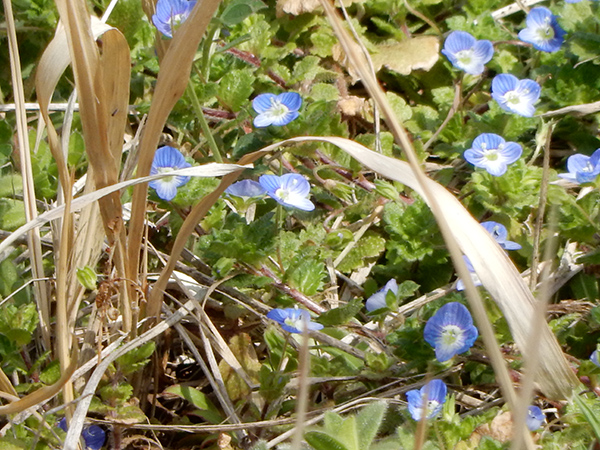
[(582, 168), (460, 285), (290, 189), (467, 53), (594, 358), (93, 436), (543, 31), (450, 331), (377, 300), (499, 233), (514, 95), (535, 418), (167, 159), (170, 14), (246, 188), (434, 393), (293, 319), (276, 109), (492, 153)]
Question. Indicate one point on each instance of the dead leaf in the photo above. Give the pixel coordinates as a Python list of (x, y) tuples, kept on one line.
[(352, 106), (420, 52)]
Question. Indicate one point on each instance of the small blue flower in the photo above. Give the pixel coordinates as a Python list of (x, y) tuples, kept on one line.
[(467, 53), (290, 189), (170, 14), (460, 285), (450, 331), (93, 436), (543, 31), (535, 418), (276, 109), (377, 300), (582, 168), (293, 319), (492, 153), (434, 393), (514, 95), (500, 234), (594, 358), (246, 188), (168, 159)]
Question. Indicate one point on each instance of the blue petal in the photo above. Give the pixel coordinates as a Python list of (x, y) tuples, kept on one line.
[(496, 168), (450, 315), (164, 189), (529, 90), (458, 41), (511, 152), (168, 157), (376, 301), (497, 230), (282, 120), (291, 99), (510, 245), (484, 51), (432, 393), (595, 158), (503, 83), (487, 141), (594, 358), (301, 203), (94, 437), (535, 418), (280, 315), (577, 163), (538, 17), (295, 183), (263, 102), (270, 183), (263, 120), (245, 188)]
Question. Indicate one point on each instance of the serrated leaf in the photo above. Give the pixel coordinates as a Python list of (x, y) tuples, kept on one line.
[(235, 88), (322, 441), (137, 358), (406, 289), (206, 409), (342, 314), (306, 275), (238, 10)]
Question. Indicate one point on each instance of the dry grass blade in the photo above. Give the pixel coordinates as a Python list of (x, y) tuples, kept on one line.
[(496, 271), (208, 170), (170, 86), (29, 199)]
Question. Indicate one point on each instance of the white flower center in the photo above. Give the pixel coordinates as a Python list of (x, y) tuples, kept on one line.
[(166, 170), (283, 194), (465, 57), (278, 109), (513, 97), (491, 154), (588, 168), (451, 335), (176, 20)]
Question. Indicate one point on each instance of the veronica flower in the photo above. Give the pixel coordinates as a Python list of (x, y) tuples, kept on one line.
[(594, 358), (378, 299), (500, 234), (467, 53), (492, 153), (290, 189), (168, 159), (93, 436), (535, 418), (293, 319), (543, 31), (276, 109), (514, 95), (582, 168), (434, 393), (246, 188), (460, 285), (450, 331), (170, 14)]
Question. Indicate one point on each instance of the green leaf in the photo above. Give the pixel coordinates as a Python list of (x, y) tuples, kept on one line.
[(323, 441), (368, 421), (590, 416), (235, 88), (87, 277), (306, 275), (137, 358), (342, 314), (238, 10), (371, 245), (12, 214), (406, 289), (51, 373)]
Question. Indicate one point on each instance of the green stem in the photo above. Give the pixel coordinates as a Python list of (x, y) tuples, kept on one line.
[(204, 125)]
